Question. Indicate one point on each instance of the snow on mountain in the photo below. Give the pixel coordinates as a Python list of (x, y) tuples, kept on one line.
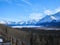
[(50, 18), (20, 22), (3, 21), (45, 19), (57, 16), (31, 22), (11, 22), (53, 18)]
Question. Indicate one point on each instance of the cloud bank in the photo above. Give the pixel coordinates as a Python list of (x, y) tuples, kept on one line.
[(50, 12), (38, 16), (35, 16)]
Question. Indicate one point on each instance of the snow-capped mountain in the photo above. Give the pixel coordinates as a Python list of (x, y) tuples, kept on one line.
[(31, 22), (47, 20), (3, 21), (50, 20), (22, 23), (57, 16)]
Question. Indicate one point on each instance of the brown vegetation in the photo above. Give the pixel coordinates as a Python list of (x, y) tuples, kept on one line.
[(30, 36)]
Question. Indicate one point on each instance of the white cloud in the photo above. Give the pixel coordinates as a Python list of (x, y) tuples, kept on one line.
[(17, 2), (27, 2), (48, 12), (57, 9), (36, 16)]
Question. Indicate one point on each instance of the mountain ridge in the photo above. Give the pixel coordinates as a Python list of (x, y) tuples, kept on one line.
[(48, 19)]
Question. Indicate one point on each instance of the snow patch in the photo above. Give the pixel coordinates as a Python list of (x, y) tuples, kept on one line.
[(53, 18)]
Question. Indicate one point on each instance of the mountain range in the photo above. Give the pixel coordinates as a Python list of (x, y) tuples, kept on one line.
[(48, 20)]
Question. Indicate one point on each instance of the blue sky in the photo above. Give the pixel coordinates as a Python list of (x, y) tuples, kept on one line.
[(23, 10)]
